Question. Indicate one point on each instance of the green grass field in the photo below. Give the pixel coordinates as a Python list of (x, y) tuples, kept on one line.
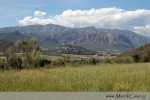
[(88, 78)]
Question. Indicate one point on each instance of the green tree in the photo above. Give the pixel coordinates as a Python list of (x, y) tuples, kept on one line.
[(29, 50), (136, 57)]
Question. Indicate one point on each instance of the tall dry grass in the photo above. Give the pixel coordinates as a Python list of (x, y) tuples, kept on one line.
[(92, 78)]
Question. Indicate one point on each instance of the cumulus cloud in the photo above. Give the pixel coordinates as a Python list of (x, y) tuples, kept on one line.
[(39, 14), (138, 20)]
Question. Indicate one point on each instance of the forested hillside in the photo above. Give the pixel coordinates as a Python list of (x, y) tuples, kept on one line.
[(141, 54)]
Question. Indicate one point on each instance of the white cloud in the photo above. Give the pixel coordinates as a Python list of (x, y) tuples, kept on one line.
[(137, 20), (39, 14), (143, 29)]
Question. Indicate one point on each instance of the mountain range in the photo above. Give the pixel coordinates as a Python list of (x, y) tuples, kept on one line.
[(51, 36)]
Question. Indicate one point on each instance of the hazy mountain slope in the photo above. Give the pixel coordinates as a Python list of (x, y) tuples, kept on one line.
[(95, 41), (4, 45), (43, 41), (136, 39), (13, 36)]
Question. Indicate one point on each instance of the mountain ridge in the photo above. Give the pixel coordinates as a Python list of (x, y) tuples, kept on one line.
[(88, 37)]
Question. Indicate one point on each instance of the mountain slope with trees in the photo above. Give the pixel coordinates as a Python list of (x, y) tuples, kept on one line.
[(141, 54)]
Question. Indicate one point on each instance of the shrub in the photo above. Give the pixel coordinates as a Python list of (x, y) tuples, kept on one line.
[(28, 60), (31, 57), (107, 60), (58, 62), (145, 58), (91, 61), (136, 58), (13, 60), (66, 58), (2, 64), (15, 63), (40, 62)]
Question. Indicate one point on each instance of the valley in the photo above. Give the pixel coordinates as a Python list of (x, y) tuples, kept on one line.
[(56, 58)]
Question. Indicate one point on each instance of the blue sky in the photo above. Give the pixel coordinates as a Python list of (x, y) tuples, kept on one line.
[(131, 15), (13, 10)]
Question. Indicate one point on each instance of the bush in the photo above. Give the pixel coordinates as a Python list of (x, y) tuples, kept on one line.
[(66, 58), (145, 58), (2, 64), (58, 62), (32, 57), (91, 61), (13, 60), (15, 63), (40, 62), (136, 58), (107, 60)]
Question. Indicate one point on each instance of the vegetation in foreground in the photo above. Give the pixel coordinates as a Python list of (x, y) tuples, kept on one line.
[(66, 73), (27, 54), (93, 78)]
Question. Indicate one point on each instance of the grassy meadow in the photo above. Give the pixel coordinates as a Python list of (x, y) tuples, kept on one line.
[(88, 78)]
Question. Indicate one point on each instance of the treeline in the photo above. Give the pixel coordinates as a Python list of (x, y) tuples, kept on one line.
[(16, 62), (141, 54), (26, 54)]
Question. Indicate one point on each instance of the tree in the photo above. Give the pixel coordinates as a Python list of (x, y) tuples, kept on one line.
[(27, 45), (29, 49), (136, 57)]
